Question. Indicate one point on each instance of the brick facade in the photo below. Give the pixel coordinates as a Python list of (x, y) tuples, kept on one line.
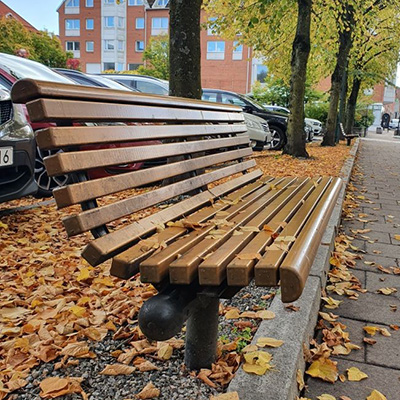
[(7, 12)]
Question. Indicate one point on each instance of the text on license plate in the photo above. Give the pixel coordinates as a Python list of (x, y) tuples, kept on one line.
[(6, 156)]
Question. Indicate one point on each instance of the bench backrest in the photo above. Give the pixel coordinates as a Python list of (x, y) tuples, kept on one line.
[(101, 128)]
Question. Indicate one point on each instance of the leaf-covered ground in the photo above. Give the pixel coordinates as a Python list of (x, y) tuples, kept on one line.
[(54, 306)]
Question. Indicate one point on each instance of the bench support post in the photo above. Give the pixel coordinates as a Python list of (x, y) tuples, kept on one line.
[(202, 334)]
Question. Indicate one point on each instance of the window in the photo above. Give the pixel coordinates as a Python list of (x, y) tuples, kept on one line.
[(133, 67), (121, 22), (72, 24), (72, 3), (139, 46), (237, 51), (262, 71), (211, 27), (159, 26), (109, 22), (108, 65), (139, 23), (150, 87), (109, 1), (215, 50), (90, 47), (73, 46), (120, 45), (109, 45), (161, 3), (89, 3), (135, 2), (90, 24), (227, 98), (120, 67)]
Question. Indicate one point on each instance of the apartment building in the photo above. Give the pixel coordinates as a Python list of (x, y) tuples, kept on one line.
[(112, 34), (7, 12)]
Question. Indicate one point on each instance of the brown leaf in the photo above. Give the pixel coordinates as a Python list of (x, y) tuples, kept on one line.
[(148, 392), (117, 369), (226, 396), (54, 387)]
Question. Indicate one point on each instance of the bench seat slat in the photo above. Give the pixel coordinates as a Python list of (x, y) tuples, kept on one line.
[(184, 269), (241, 271), (155, 268), (106, 247), (126, 264), (91, 189), (95, 217), (53, 110), (64, 163), (26, 90), (212, 271), (61, 137)]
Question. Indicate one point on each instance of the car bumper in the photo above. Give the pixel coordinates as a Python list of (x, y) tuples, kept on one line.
[(17, 180)]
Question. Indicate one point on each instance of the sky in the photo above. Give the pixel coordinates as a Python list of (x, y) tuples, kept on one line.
[(42, 14)]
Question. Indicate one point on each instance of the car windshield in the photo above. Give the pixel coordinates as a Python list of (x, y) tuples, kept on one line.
[(20, 68), (252, 101), (110, 83)]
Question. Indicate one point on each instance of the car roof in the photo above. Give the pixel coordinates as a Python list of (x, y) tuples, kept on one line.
[(133, 76)]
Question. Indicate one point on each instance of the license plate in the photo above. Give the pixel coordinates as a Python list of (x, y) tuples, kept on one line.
[(6, 156)]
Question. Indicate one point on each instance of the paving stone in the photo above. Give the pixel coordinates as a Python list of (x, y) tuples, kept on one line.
[(385, 380), (356, 336), (380, 237), (380, 280), (386, 227), (378, 259), (370, 307), (393, 240), (385, 250)]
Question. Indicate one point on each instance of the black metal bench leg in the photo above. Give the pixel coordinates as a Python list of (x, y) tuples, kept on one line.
[(348, 142), (202, 334)]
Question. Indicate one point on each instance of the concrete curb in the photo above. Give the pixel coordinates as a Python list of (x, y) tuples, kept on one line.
[(294, 328)]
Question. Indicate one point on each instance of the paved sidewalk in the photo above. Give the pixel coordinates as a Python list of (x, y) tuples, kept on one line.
[(379, 162)]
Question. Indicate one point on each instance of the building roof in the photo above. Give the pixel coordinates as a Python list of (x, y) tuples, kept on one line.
[(8, 12)]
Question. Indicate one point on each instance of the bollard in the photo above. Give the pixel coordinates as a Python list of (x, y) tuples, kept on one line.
[(378, 130)]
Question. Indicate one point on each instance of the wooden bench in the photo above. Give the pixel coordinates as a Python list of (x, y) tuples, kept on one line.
[(235, 224), (348, 136)]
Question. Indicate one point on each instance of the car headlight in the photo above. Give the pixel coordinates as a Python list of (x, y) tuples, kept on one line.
[(17, 127)]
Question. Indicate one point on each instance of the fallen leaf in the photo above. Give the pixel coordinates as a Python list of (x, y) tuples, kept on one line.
[(232, 314), (226, 396), (300, 380), (148, 392), (385, 332), (324, 369), (292, 307), (257, 362), (165, 351), (387, 291), (269, 342), (355, 375), (117, 369), (397, 237), (326, 397), (375, 395), (331, 303), (328, 316), (266, 314), (55, 387), (248, 256), (369, 341), (371, 330)]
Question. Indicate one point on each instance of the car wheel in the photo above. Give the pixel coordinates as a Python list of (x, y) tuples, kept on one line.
[(46, 183), (257, 145), (278, 138), (311, 136)]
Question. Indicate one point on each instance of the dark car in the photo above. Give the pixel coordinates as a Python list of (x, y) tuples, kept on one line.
[(17, 151), (276, 121)]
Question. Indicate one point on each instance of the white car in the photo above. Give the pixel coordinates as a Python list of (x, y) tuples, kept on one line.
[(258, 131), (394, 123), (314, 124)]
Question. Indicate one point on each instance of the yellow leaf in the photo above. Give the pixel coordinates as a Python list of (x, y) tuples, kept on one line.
[(328, 316), (331, 303), (385, 332), (84, 274), (117, 369), (256, 369), (269, 342), (78, 311), (326, 397), (257, 362), (266, 314), (375, 395), (324, 369), (397, 237), (371, 330), (148, 392), (4, 226), (300, 380), (165, 351), (226, 396), (387, 291), (355, 375), (232, 314)]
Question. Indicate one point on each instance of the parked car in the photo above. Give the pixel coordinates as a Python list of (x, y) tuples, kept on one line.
[(145, 84), (394, 123), (258, 131), (17, 151), (277, 122), (315, 125)]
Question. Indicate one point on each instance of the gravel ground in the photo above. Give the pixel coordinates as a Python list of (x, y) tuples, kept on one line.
[(172, 379)]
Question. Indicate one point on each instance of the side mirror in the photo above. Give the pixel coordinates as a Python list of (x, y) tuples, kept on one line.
[(247, 109)]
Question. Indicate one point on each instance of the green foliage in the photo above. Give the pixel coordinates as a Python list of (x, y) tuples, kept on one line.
[(41, 46), (156, 58), (364, 117), (317, 110)]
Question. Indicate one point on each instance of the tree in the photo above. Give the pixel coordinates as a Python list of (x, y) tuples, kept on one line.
[(156, 58), (185, 78)]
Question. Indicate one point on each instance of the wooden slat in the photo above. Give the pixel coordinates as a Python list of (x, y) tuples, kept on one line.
[(126, 264), (53, 110), (212, 271), (60, 137), (266, 270), (184, 270), (95, 217), (83, 191), (296, 265), (63, 163), (106, 247), (155, 269), (26, 90)]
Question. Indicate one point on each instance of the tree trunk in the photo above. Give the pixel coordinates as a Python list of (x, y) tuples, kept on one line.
[(345, 43), (184, 48), (296, 140), (351, 104)]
